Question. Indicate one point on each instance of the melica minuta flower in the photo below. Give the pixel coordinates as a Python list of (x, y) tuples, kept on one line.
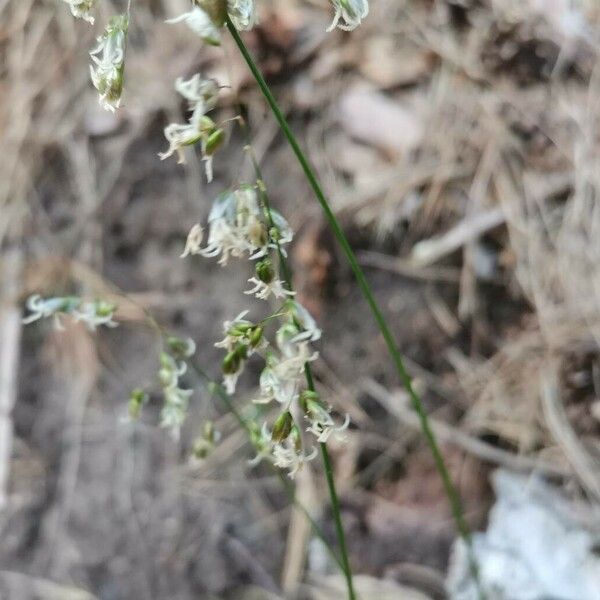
[(261, 440), (108, 63), (176, 399), (92, 314), (137, 399), (304, 320), (350, 12), (288, 452), (282, 427), (280, 379), (266, 283), (202, 24), (181, 348), (277, 383), (280, 232), (206, 442), (170, 370), (201, 95), (242, 338), (282, 446), (207, 18), (193, 244), (41, 308), (96, 313), (321, 423), (295, 351), (233, 365), (82, 9), (199, 128), (236, 227), (234, 330), (242, 14)]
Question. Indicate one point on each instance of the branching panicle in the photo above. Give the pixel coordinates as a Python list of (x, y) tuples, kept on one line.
[(82, 9), (242, 225)]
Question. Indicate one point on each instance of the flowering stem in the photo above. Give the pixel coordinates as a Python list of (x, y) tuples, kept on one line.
[(335, 503), (451, 492), (337, 518), (287, 277), (219, 391)]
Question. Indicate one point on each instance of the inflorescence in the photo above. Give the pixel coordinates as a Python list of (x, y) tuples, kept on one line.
[(93, 314), (240, 225), (206, 19)]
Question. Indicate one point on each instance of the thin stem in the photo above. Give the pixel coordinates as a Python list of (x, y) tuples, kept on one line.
[(337, 515), (335, 504), (219, 391), (451, 492)]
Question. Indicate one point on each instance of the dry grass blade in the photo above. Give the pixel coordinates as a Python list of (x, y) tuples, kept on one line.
[(430, 251), (399, 407), (10, 338), (299, 534), (584, 464)]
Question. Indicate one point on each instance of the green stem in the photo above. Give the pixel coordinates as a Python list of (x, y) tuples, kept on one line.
[(337, 518), (335, 504), (451, 492), (218, 390)]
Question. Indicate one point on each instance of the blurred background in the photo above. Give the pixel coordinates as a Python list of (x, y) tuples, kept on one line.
[(459, 142)]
